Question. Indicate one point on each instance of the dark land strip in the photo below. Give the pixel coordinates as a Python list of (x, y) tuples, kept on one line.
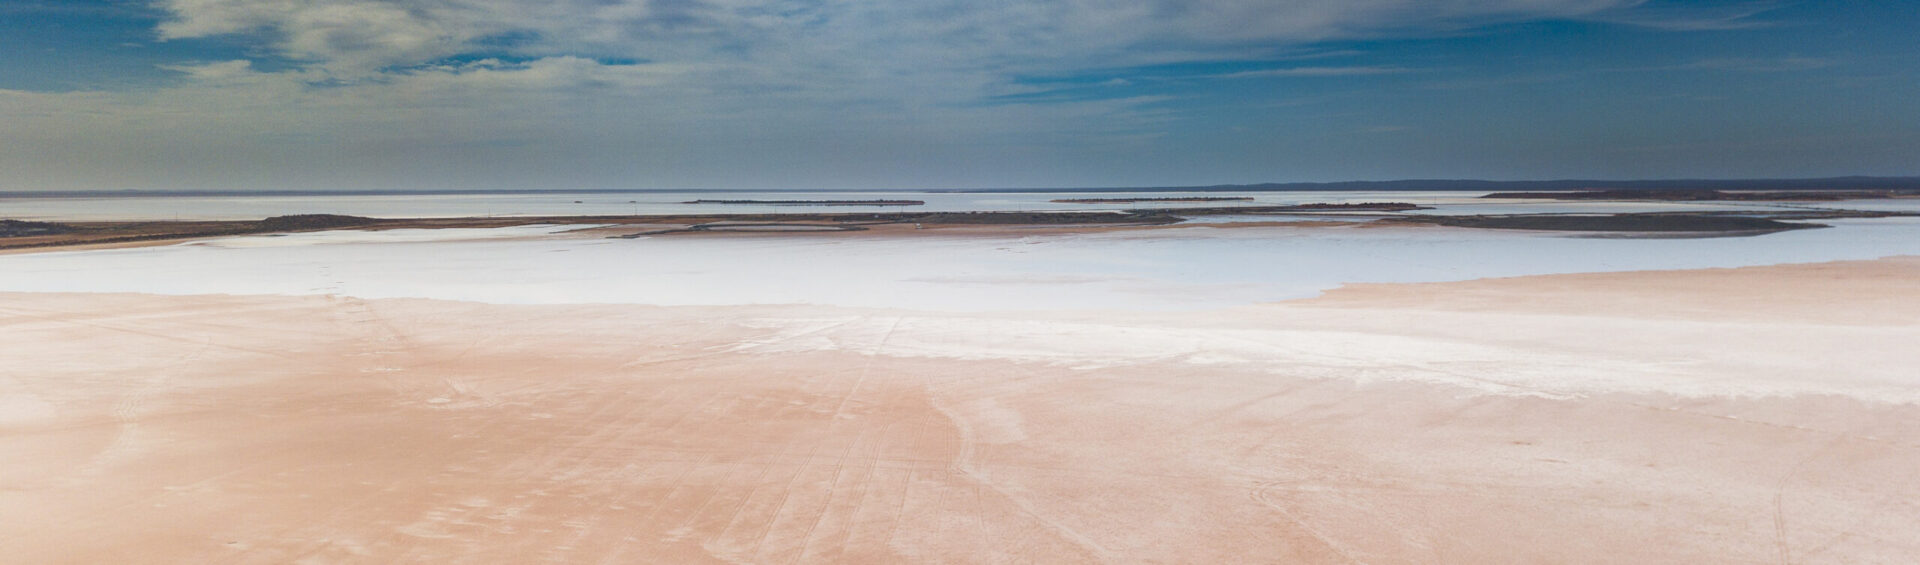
[(17, 234)]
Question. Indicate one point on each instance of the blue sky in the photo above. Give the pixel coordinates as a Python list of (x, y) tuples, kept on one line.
[(479, 94)]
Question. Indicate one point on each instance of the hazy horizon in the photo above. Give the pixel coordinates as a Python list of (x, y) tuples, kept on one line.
[(1850, 182)]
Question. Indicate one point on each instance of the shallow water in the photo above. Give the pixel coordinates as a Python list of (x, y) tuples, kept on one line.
[(1183, 268)]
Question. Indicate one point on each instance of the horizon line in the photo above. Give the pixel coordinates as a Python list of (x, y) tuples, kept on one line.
[(1848, 182)]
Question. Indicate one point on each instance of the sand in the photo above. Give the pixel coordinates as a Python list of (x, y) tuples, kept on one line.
[(1762, 414)]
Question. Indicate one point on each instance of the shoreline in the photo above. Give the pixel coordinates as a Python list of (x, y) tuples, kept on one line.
[(1686, 224), (89, 233)]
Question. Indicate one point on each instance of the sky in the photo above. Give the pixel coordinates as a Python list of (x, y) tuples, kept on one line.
[(875, 94)]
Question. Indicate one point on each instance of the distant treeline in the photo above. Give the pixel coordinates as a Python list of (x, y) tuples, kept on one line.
[(22, 228)]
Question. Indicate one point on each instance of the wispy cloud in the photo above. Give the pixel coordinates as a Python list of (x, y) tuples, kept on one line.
[(1757, 65), (1501, 81), (1737, 65), (861, 61), (1680, 16), (359, 36), (1316, 72), (49, 7)]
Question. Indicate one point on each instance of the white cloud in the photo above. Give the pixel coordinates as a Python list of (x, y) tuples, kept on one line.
[(736, 55), (361, 35)]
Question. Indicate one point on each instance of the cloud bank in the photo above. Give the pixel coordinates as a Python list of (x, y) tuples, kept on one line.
[(367, 34), (648, 93)]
